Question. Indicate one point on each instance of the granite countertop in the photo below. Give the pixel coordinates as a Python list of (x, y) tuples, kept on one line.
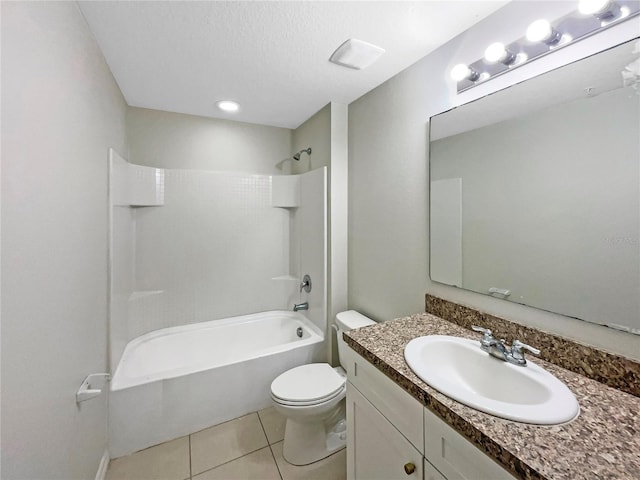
[(602, 443)]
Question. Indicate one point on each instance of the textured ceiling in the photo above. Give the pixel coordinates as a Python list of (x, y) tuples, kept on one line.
[(271, 57)]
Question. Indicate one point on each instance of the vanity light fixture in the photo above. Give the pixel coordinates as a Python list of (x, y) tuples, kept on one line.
[(228, 106), (543, 37), (496, 52), (463, 72), (602, 9), (542, 31)]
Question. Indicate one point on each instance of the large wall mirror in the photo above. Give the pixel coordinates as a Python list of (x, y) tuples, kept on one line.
[(535, 191)]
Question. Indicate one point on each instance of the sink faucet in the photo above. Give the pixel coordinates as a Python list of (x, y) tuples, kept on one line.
[(498, 349), (301, 306)]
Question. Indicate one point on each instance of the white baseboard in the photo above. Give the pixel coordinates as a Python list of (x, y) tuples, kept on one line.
[(102, 468)]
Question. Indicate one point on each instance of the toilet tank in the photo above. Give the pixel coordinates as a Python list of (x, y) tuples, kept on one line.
[(348, 321)]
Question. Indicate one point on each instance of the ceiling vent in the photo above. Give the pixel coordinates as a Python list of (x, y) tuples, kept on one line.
[(356, 54)]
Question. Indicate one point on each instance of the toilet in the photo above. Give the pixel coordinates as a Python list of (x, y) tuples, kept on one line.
[(312, 398)]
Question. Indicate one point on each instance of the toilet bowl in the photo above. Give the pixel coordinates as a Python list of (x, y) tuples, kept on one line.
[(312, 398)]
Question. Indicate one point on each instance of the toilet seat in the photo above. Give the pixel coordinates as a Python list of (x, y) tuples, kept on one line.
[(308, 385), (340, 393)]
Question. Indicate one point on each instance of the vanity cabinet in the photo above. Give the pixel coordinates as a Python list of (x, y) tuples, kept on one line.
[(431, 473), (390, 435), (454, 456), (378, 451)]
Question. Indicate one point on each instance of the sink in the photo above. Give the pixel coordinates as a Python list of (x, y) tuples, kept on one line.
[(458, 368)]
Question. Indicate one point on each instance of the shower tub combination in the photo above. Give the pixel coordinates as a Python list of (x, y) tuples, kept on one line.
[(179, 380)]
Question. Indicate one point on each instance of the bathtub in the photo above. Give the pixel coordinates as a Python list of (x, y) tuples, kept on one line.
[(179, 380)]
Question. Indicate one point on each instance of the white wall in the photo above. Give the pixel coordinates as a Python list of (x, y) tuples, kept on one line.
[(388, 176), (61, 111), (173, 140)]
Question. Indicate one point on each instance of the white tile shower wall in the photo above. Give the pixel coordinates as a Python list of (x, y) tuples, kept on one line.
[(146, 185), (121, 256), (122, 276), (129, 185), (213, 249), (135, 185), (310, 226)]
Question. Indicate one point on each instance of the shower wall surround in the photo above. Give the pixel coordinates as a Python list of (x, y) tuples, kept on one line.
[(214, 247), (211, 251)]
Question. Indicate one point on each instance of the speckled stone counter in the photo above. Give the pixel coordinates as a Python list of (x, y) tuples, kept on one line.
[(602, 443)]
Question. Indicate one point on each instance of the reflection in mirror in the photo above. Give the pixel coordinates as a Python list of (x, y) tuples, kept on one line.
[(535, 191)]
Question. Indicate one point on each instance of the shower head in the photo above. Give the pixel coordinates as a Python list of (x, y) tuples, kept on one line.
[(296, 157)]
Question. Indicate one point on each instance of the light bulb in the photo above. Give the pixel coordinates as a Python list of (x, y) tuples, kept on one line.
[(463, 72), (593, 7), (228, 106), (542, 31), (496, 52)]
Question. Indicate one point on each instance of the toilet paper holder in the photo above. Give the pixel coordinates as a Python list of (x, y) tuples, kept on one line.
[(92, 386)]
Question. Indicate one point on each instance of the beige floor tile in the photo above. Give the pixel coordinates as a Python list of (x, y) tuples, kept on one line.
[(258, 465), (167, 461), (333, 467), (220, 444), (273, 423)]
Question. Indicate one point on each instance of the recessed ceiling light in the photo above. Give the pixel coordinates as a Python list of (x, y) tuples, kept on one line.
[(356, 54), (228, 106)]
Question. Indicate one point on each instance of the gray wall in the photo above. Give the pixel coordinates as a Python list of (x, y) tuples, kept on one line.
[(315, 133), (173, 140), (388, 176), (61, 111)]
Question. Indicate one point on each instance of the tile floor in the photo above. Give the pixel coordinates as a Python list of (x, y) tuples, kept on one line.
[(247, 448)]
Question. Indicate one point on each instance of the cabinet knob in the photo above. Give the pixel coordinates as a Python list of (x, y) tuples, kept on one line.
[(409, 468)]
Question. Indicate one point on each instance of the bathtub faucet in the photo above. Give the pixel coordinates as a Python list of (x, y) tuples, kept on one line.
[(301, 306)]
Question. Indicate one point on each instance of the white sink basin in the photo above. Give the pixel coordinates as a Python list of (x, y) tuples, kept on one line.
[(458, 368)]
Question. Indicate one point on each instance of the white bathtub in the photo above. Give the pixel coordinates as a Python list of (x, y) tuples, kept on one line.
[(179, 380)]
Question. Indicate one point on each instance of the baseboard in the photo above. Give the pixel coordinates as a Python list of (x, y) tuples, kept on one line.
[(104, 465)]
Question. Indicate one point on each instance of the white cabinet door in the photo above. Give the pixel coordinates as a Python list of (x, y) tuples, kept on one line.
[(431, 473), (455, 456), (402, 410), (376, 450)]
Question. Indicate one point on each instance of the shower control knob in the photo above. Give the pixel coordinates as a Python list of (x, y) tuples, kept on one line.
[(306, 284)]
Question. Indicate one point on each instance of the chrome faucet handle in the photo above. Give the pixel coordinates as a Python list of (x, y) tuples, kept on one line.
[(305, 284), (487, 336), (517, 353), (486, 331)]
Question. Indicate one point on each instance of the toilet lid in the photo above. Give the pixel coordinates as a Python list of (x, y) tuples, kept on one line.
[(307, 383)]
